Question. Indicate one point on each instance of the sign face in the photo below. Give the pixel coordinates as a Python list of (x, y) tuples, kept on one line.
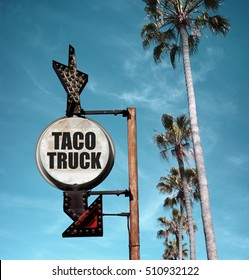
[(74, 153)]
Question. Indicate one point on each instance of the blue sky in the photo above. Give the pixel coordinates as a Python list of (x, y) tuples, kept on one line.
[(106, 37)]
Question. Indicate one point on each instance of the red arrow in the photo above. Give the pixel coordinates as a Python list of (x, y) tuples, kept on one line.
[(89, 223)]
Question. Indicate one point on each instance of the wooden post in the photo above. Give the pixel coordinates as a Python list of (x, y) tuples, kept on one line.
[(134, 240)]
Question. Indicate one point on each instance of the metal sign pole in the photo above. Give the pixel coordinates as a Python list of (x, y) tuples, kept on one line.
[(134, 241)]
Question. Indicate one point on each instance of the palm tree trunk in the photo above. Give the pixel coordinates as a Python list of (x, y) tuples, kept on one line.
[(180, 231), (188, 208), (199, 159)]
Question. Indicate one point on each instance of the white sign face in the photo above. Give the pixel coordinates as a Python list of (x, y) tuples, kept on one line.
[(74, 153)]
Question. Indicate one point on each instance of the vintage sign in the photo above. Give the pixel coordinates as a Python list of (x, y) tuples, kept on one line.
[(75, 153)]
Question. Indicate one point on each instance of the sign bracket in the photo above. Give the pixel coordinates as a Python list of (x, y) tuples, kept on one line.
[(126, 193), (124, 113), (122, 214)]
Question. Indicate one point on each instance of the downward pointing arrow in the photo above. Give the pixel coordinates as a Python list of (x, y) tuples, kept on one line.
[(89, 223)]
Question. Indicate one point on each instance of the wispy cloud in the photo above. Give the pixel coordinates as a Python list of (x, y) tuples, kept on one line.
[(150, 86), (230, 238), (36, 81), (151, 210), (208, 64), (210, 137), (238, 160), (23, 201), (142, 97), (218, 105), (54, 226), (159, 86)]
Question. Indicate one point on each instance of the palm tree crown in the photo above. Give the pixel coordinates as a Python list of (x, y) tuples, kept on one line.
[(168, 16), (171, 228), (172, 186), (176, 138)]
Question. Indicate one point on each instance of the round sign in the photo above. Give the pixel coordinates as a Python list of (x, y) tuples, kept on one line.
[(74, 153)]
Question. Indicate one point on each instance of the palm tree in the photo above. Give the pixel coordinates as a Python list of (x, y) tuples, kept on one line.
[(172, 227), (176, 139), (172, 186), (170, 253), (175, 27)]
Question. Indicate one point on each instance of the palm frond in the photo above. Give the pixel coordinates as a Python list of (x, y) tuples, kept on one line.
[(190, 173), (201, 20), (169, 35), (160, 51), (183, 122), (212, 4), (164, 154), (167, 121), (174, 172), (152, 9), (184, 131), (219, 24), (197, 194), (171, 202), (161, 141), (191, 5), (173, 152), (185, 146), (163, 178), (149, 34), (162, 220), (176, 214), (193, 41), (161, 234), (148, 28), (151, 3), (164, 188), (174, 51)]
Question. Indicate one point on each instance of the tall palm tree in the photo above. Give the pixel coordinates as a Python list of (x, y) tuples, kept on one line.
[(175, 27), (176, 138), (172, 186)]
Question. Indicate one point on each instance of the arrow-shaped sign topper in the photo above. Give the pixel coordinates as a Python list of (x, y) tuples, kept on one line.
[(73, 82), (89, 222)]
